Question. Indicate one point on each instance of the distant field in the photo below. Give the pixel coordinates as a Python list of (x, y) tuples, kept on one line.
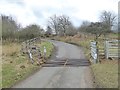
[(16, 66)]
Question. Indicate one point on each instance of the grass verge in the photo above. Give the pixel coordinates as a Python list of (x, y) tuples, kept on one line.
[(106, 74), (49, 47), (16, 66)]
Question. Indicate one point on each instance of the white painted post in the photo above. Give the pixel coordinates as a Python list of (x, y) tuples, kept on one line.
[(45, 51), (30, 56), (94, 52)]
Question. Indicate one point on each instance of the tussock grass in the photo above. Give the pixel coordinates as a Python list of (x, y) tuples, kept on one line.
[(10, 49)]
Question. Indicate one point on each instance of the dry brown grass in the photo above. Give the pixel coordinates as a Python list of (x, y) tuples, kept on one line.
[(106, 74), (10, 49)]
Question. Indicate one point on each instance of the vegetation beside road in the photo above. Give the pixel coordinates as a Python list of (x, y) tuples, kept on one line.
[(105, 72), (15, 65), (49, 47)]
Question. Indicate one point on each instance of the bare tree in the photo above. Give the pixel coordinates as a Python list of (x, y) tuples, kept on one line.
[(53, 23), (49, 31), (95, 28), (71, 30), (59, 24), (64, 23), (108, 18), (9, 27), (84, 26)]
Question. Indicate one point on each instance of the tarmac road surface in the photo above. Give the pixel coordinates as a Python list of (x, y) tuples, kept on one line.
[(68, 68)]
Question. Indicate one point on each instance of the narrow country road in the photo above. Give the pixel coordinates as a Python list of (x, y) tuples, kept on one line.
[(68, 68)]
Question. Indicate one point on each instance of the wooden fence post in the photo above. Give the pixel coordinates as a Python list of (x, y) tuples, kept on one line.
[(39, 55), (29, 47)]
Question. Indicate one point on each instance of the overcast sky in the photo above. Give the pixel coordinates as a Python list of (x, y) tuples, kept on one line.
[(38, 11)]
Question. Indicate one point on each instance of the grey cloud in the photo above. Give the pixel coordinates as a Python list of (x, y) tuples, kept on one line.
[(37, 13), (18, 2)]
